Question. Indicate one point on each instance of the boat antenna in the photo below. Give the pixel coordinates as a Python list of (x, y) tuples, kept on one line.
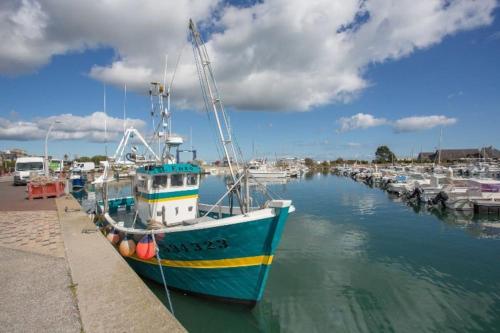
[(164, 112), (191, 136), (165, 71), (124, 108)]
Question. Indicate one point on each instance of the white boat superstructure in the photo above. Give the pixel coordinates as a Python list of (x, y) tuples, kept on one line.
[(262, 169)]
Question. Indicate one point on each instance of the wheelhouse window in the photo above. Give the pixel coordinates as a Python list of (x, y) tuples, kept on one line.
[(192, 179), (160, 181), (176, 180), (142, 182)]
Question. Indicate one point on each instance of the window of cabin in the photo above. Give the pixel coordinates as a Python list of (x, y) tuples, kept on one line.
[(160, 181), (176, 180), (142, 182), (192, 179)]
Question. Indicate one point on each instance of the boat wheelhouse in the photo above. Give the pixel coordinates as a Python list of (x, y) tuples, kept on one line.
[(167, 194)]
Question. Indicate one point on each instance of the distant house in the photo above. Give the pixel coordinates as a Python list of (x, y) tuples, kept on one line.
[(490, 152), (451, 155), (425, 157), (13, 154)]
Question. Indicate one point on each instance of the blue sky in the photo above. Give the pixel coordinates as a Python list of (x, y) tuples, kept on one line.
[(454, 78)]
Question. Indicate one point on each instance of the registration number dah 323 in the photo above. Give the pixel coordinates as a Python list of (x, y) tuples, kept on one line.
[(207, 245)]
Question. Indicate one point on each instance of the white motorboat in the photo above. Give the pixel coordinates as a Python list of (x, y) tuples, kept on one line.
[(261, 169)]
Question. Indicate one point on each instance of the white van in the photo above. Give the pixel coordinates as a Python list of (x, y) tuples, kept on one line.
[(25, 166), (83, 166)]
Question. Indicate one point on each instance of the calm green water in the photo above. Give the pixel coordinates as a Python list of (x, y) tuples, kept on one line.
[(353, 260)]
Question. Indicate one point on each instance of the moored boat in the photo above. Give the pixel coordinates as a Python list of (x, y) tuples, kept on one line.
[(222, 250)]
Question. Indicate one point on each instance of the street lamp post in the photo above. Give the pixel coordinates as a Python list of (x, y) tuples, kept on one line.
[(47, 173)]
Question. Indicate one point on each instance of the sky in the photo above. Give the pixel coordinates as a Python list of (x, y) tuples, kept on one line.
[(321, 79)]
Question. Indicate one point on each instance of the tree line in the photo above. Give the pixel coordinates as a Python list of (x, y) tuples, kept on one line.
[(383, 155)]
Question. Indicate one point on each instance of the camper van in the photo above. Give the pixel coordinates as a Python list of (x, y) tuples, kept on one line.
[(26, 166)]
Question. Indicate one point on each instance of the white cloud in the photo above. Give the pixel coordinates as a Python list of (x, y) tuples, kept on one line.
[(409, 124), (71, 127), (353, 144), (419, 123), (359, 120), (272, 55), (455, 94), (494, 36)]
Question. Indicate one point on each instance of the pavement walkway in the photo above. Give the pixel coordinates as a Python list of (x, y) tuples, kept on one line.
[(60, 275), (14, 198), (111, 296), (36, 289)]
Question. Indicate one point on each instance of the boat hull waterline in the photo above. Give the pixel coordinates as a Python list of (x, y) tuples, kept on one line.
[(230, 261)]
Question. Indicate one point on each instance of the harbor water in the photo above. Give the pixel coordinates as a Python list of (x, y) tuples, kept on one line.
[(353, 259)]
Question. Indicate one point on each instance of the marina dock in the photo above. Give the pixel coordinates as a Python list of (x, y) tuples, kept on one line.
[(60, 275)]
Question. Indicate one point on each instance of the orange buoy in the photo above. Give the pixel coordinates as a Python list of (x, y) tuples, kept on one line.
[(127, 247), (145, 249), (113, 237)]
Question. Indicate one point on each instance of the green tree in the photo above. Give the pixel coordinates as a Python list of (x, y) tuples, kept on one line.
[(384, 155), (309, 162), (84, 159), (97, 158)]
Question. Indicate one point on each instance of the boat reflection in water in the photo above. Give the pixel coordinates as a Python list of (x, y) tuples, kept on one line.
[(477, 225)]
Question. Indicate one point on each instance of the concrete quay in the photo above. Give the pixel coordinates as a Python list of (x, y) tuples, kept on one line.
[(60, 275)]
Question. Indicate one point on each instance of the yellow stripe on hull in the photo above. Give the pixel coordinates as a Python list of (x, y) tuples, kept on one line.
[(217, 263), (194, 196)]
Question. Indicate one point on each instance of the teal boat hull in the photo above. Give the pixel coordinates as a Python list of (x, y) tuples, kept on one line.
[(228, 262)]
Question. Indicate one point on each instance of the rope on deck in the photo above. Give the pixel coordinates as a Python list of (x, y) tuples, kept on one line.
[(162, 274)]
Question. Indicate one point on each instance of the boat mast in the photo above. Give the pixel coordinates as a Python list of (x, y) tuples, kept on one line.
[(440, 142), (105, 124), (124, 108), (209, 87), (211, 96)]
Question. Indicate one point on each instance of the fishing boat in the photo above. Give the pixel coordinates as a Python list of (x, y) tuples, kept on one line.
[(78, 179), (222, 250)]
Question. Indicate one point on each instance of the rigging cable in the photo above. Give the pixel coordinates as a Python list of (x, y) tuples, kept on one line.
[(157, 250)]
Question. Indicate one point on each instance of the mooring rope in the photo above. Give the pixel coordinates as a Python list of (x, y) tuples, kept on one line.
[(157, 250), (135, 218)]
